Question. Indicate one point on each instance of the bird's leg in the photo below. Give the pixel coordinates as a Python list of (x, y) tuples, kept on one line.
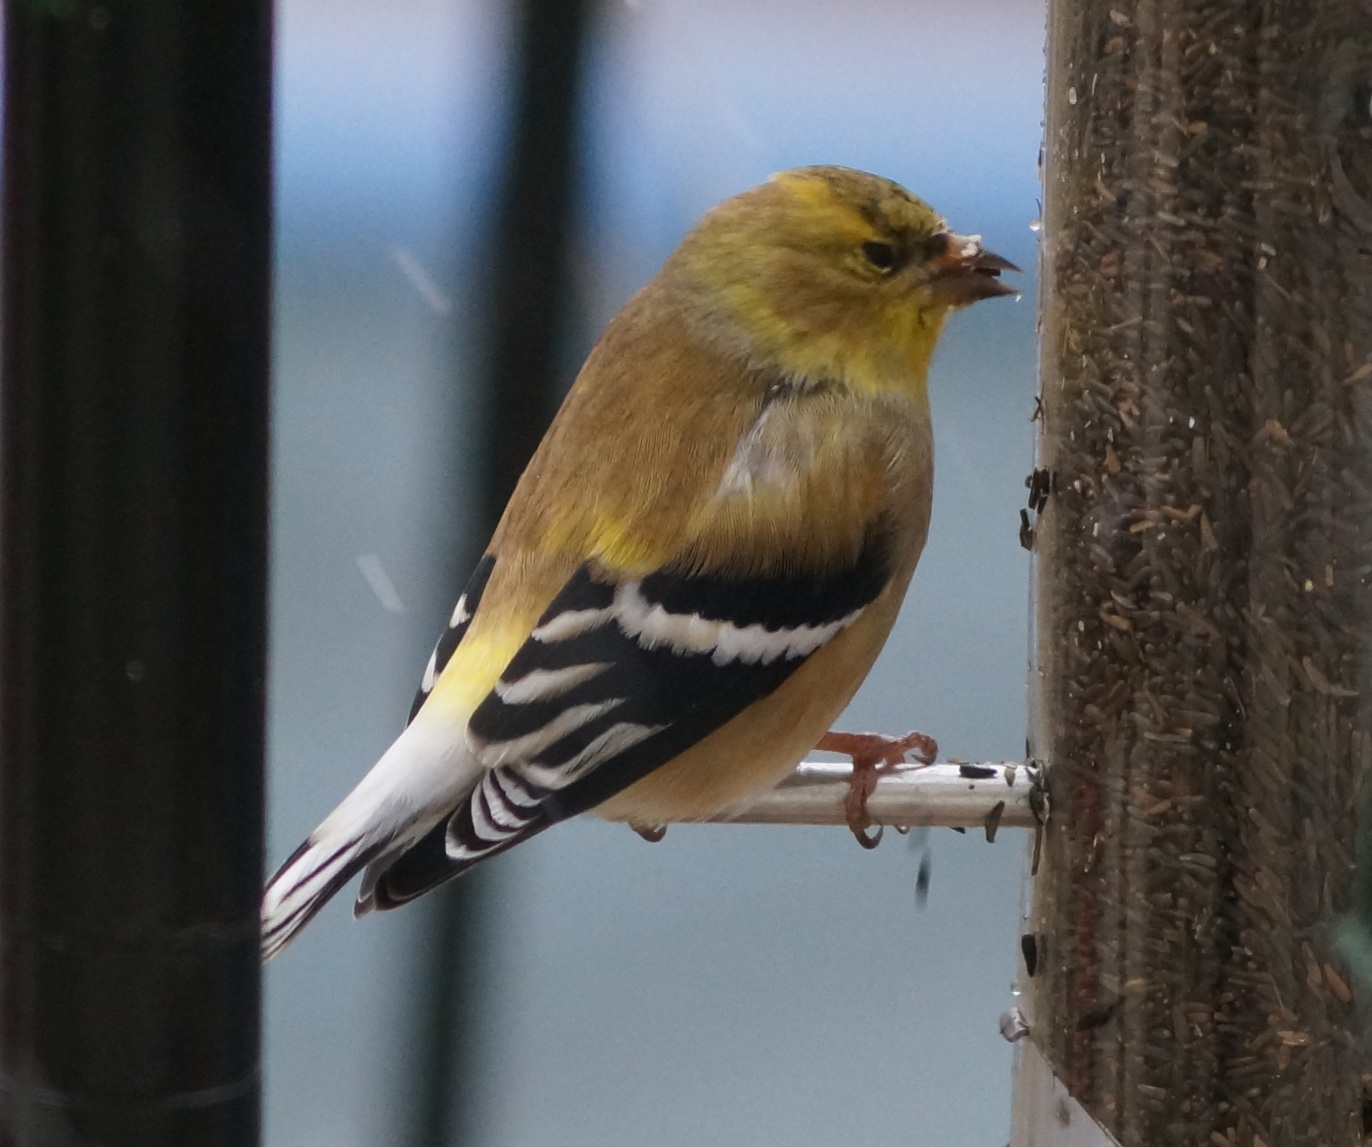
[(871, 753)]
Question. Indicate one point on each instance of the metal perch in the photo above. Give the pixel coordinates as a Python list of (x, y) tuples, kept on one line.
[(985, 795)]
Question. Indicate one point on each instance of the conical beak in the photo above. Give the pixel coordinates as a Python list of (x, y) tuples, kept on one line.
[(965, 272)]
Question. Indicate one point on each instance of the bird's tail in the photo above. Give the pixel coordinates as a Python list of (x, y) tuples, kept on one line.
[(411, 788), (306, 882)]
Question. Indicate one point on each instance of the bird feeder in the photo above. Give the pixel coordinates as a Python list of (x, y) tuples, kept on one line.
[(1204, 575)]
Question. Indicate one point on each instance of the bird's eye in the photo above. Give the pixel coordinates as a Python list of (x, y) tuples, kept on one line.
[(882, 256)]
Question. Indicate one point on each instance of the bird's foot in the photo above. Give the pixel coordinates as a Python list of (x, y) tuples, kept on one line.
[(872, 754)]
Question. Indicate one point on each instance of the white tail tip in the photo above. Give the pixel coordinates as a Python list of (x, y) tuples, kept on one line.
[(305, 883)]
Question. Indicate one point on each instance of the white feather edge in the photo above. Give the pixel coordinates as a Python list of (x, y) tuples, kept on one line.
[(652, 626)]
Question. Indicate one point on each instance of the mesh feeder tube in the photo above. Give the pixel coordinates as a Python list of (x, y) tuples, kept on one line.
[(1204, 581)]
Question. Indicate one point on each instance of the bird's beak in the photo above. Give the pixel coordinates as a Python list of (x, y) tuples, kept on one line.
[(965, 272)]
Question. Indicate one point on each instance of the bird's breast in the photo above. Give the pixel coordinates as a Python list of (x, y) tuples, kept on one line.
[(812, 475)]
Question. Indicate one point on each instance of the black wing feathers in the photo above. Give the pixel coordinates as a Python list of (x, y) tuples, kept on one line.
[(782, 602), (616, 680)]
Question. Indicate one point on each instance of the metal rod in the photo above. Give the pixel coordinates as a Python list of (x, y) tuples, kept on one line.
[(137, 239), (985, 795)]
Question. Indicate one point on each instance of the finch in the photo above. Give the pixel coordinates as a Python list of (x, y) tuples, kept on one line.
[(703, 558)]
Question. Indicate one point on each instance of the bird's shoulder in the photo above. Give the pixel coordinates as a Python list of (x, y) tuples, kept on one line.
[(671, 448)]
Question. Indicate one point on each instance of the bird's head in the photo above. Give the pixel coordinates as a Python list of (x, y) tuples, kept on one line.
[(831, 271)]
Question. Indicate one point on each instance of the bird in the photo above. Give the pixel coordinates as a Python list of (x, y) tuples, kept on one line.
[(702, 559)]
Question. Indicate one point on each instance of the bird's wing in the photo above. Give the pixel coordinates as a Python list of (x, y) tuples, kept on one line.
[(618, 678)]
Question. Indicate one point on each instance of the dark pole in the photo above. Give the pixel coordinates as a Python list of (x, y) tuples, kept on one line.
[(132, 601), (1204, 616), (528, 270), (528, 262)]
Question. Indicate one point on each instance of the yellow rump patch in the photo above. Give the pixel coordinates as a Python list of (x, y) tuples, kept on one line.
[(472, 671)]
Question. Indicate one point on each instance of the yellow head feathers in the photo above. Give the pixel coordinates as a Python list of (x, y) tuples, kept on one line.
[(830, 272)]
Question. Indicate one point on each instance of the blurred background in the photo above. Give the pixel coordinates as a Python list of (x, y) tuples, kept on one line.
[(729, 985)]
